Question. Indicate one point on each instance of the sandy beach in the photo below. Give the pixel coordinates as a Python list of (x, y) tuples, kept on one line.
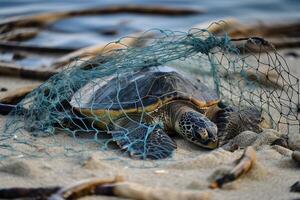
[(44, 43), (189, 169)]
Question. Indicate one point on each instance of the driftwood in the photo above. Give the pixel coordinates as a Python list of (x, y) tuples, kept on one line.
[(271, 44), (236, 29), (267, 30), (20, 34), (280, 35), (21, 28), (16, 46), (36, 193), (44, 19), (84, 188), (9, 69), (9, 100), (6, 108), (110, 187), (15, 96), (75, 191), (140, 192), (90, 52), (243, 165)]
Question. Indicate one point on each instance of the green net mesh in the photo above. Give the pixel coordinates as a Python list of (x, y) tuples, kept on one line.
[(65, 112)]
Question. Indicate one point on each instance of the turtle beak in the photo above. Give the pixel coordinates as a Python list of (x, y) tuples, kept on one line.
[(212, 144), (208, 138)]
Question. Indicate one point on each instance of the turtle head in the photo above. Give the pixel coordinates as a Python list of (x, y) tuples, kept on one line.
[(198, 129)]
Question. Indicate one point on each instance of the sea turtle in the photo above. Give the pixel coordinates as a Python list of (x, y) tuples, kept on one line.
[(141, 109)]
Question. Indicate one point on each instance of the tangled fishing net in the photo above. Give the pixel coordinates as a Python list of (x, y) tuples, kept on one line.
[(245, 72)]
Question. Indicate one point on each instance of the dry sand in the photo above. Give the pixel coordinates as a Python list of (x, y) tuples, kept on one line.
[(190, 168)]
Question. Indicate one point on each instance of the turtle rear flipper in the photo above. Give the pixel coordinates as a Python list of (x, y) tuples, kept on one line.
[(142, 141)]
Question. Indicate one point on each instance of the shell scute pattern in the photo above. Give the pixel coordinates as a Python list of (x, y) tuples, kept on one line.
[(142, 89)]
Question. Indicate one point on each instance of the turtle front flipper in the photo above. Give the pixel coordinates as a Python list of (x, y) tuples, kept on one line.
[(141, 140), (231, 121)]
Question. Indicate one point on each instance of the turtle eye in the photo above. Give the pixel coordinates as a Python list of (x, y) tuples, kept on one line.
[(203, 134), (200, 133)]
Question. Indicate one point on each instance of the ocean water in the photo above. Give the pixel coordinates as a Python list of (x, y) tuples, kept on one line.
[(78, 32), (215, 9)]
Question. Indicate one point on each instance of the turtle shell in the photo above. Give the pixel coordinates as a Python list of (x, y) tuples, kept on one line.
[(145, 90)]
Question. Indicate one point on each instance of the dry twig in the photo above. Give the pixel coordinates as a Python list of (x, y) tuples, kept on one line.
[(243, 165)]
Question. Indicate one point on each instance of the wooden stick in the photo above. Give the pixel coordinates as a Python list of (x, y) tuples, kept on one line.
[(83, 188), (6, 108), (271, 45), (280, 35), (111, 187), (264, 30), (43, 19), (74, 191), (244, 164), (9, 69), (281, 43), (16, 46), (20, 34), (19, 192), (137, 191), (15, 96)]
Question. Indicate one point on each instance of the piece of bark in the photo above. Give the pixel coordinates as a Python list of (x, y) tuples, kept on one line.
[(244, 164)]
